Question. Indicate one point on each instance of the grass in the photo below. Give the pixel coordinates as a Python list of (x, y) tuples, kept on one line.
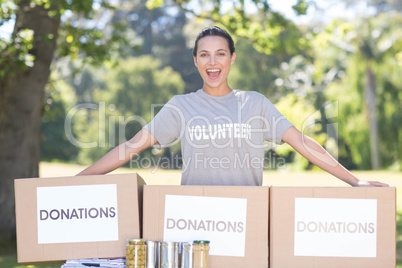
[(276, 178), (399, 239), (10, 261)]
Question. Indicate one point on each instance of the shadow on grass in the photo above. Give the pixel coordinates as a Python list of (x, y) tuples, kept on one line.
[(10, 261)]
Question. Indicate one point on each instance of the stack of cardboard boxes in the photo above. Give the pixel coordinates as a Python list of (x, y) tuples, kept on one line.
[(93, 216)]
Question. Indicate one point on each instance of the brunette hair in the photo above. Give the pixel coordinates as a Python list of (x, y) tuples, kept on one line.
[(214, 31)]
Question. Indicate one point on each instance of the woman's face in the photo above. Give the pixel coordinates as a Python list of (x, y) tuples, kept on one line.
[(213, 61)]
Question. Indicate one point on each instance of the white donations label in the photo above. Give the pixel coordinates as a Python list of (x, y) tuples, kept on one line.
[(220, 220), (79, 213), (335, 227)]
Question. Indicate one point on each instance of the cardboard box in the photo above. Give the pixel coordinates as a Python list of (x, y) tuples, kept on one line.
[(76, 217), (233, 218), (332, 227)]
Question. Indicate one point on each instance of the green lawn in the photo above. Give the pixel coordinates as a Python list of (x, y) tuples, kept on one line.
[(277, 178), (399, 239), (10, 261)]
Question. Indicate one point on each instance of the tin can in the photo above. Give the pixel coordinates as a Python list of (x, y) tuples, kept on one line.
[(136, 253), (186, 255), (201, 254), (169, 255), (152, 254)]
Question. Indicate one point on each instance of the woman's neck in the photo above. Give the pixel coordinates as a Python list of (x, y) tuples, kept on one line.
[(217, 92)]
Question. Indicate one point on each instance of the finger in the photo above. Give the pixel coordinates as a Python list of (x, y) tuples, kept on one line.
[(363, 183), (378, 184), (381, 184)]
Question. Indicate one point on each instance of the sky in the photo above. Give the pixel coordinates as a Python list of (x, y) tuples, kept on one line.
[(326, 10), (6, 29)]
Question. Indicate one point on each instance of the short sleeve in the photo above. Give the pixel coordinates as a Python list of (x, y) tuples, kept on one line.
[(275, 124), (166, 125)]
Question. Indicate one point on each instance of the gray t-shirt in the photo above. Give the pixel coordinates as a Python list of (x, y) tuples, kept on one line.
[(222, 138)]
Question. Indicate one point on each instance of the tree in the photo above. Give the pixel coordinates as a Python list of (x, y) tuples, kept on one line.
[(22, 86), (308, 81), (254, 70), (269, 31), (159, 32), (60, 97), (368, 46), (306, 118), (132, 88), (25, 60)]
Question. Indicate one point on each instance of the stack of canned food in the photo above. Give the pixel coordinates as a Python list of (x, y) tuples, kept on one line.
[(154, 254)]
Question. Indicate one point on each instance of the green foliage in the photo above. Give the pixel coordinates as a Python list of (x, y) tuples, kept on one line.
[(151, 4), (389, 112), (304, 116), (80, 36), (134, 91), (269, 31), (159, 32), (252, 70), (16, 52), (372, 42), (353, 127), (83, 35), (54, 143), (137, 83), (301, 7)]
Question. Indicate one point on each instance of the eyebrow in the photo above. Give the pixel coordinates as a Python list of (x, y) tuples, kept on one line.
[(221, 49)]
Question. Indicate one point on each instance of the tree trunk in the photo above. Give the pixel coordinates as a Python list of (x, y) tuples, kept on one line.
[(21, 100), (371, 100)]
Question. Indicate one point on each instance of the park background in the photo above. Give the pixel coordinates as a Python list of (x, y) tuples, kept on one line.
[(79, 77)]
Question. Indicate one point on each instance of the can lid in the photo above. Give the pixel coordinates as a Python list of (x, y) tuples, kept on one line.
[(136, 241), (201, 241)]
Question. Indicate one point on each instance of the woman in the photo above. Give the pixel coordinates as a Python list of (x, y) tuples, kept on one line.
[(222, 131)]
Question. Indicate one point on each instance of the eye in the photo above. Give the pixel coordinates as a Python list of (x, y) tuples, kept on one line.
[(221, 54), (203, 55)]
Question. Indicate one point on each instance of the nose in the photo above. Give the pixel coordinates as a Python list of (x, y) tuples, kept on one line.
[(212, 60)]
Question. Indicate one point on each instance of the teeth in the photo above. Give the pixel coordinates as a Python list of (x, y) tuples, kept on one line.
[(213, 70)]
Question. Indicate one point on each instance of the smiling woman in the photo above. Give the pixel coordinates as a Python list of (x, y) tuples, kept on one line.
[(222, 130), (213, 54)]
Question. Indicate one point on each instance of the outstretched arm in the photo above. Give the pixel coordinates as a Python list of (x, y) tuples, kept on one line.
[(316, 154), (121, 154)]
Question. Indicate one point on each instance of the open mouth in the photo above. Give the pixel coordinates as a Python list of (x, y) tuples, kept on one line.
[(213, 73)]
